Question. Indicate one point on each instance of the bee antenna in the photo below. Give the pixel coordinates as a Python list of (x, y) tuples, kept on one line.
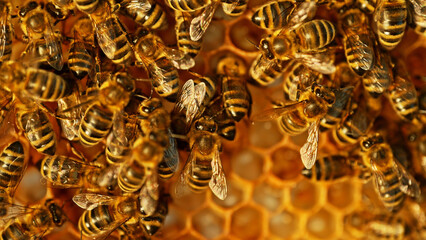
[(141, 96), (257, 47)]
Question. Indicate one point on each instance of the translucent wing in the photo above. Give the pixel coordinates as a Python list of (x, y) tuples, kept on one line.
[(54, 48), (191, 98), (300, 14), (275, 113), (179, 59), (181, 185), (13, 211), (186, 96), (3, 28), (419, 7), (408, 185), (158, 75), (108, 177), (322, 62), (229, 7), (171, 154), (218, 181), (309, 150), (106, 38), (200, 24), (149, 194), (361, 47), (119, 129), (139, 5), (90, 201)]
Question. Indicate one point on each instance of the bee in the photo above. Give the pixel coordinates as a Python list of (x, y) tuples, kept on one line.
[(13, 163), (338, 110), (225, 125), (184, 41), (203, 166), (353, 25), (417, 19), (306, 113), (36, 25), (390, 178), (379, 78), (188, 5), (7, 32), (118, 150), (296, 76), (144, 12), (151, 224), (36, 221), (268, 75), (235, 96), (329, 168), (402, 94), (275, 15), (390, 17), (80, 56)]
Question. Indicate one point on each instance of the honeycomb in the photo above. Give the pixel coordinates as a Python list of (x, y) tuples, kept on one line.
[(268, 198)]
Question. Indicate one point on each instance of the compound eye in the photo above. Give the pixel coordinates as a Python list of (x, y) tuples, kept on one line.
[(366, 144), (146, 109), (212, 129), (199, 126)]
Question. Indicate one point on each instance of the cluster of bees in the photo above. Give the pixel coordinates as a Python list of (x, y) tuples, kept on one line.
[(97, 103)]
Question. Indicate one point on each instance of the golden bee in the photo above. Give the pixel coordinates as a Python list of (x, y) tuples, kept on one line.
[(144, 12), (392, 182), (329, 168), (6, 35), (305, 114), (391, 18), (37, 29), (14, 162), (226, 127)]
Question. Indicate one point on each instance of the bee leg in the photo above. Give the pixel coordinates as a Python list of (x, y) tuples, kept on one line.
[(46, 109), (77, 152)]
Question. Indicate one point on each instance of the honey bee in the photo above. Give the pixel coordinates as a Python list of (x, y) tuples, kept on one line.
[(36, 221), (151, 224), (80, 56), (188, 5), (268, 75), (329, 168), (277, 15), (306, 113), (144, 12), (184, 41), (353, 25), (403, 95), (7, 31), (235, 95), (13, 164), (118, 150), (203, 166), (338, 110), (391, 179), (390, 17), (36, 25)]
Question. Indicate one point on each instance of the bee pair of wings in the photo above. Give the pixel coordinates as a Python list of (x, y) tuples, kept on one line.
[(138, 5), (191, 98), (361, 46), (408, 183), (179, 59), (3, 30), (217, 182), (200, 23), (118, 138), (309, 150), (13, 212)]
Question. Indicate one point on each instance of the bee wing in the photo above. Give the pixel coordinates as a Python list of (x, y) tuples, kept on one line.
[(186, 171), (3, 34), (171, 154), (108, 176), (13, 211), (382, 184), (90, 201), (200, 24), (321, 62), (179, 59), (119, 129), (106, 38), (300, 14), (149, 194), (194, 107), (157, 74), (408, 185), (54, 48), (362, 48), (229, 7), (274, 113), (309, 150), (218, 181), (138, 5), (419, 6), (186, 95)]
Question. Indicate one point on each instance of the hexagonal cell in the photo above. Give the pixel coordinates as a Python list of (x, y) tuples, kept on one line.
[(214, 36), (246, 223), (235, 196), (265, 134), (286, 163), (268, 196), (174, 222), (341, 194), (208, 223), (247, 164), (322, 224), (243, 34), (304, 195), (284, 224), (30, 188)]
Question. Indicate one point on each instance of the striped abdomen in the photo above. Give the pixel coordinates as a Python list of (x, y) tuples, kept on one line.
[(6, 52), (265, 77), (15, 231), (13, 165), (155, 18), (391, 21), (168, 86), (273, 15), (200, 172), (97, 122), (236, 98), (62, 171), (353, 127), (335, 112), (80, 60), (116, 151), (38, 130), (164, 171), (154, 222), (359, 52), (86, 6), (184, 41), (403, 98), (95, 222), (188, 5), (379, 78), (210, 88), (239, 9), (391, 196), (315, 34), (226, 128), (46, 86), (328, 168), (124, 51), (131, 177), (293, 123)]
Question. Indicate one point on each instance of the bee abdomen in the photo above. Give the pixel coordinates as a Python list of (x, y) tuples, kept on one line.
[(79, 62), (164, 171), (14, 232), (93, 222), (188, 5), (293, 124), (62, 171), (315, 34), (392, 196), (360, 63), (87, 6), (328, 168), (273, 16), (267, 76), (199, 178), (97, 122), (155, 18), (12, 162), (227, 129), (7, 51), (46, 86), (235, 98), (239, 9), (131, 177), (170, 87), (391, 22)]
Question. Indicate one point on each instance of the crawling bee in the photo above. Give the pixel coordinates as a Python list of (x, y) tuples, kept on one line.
[(147, 13), (391, 18), (13, 162)]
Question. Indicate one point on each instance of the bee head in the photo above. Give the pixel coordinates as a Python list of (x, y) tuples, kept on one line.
[(323, 93), (150, 105), (27, 8), (265, 47), (124, 81), (56, 212), (368, 142), (205, 124)]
